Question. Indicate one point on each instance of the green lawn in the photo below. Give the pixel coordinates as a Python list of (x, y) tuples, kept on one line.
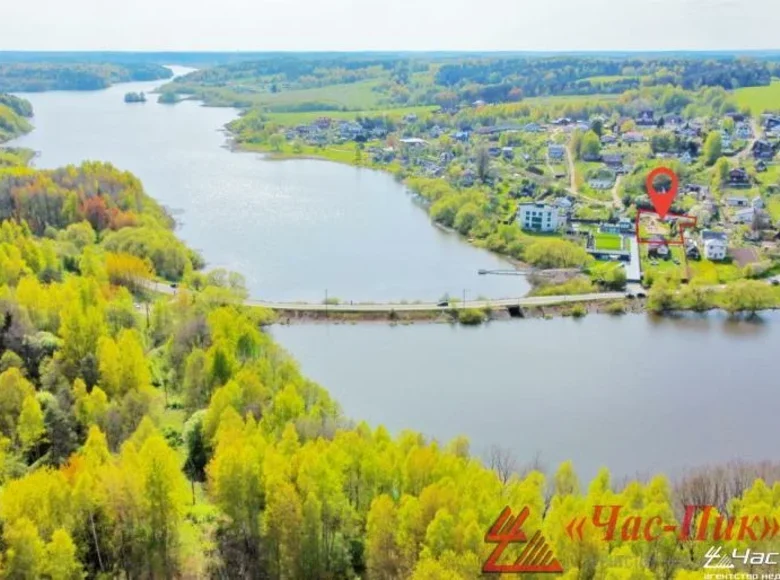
[(609, 242), (708, 272), (759, 99), (773, 207), (608, 78)]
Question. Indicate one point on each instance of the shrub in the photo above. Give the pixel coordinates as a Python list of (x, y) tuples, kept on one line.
[(578, 310), (616, 307), (471, 316)]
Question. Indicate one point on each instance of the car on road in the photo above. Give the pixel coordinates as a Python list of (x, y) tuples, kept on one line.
[(174, 285), (443, 303), (630, 295)]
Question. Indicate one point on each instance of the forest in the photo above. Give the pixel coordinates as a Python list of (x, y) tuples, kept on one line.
[(431, 79), (14, 113), (73, 76), (155, 435)]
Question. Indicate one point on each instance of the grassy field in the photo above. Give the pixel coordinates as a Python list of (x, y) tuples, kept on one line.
[(708, 272), (759, 99), (609, 242), (608, 78)]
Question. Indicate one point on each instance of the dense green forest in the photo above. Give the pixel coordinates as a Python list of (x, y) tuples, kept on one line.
[(48, 76), (13, 118)]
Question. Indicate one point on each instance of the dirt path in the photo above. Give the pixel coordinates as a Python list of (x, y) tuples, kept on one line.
[(615, 196), (573, 182)]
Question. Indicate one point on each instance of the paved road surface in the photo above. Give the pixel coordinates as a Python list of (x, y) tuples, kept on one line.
[(418, 307)]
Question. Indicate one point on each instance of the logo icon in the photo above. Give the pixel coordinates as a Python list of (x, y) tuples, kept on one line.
[(536, 558), (713, 560)]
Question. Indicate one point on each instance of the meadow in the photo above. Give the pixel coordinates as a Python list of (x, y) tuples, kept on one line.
[(759, 99)]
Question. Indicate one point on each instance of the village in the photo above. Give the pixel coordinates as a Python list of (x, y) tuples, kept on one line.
[(583, 179)]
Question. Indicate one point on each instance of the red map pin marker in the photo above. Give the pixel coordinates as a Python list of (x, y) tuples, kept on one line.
[(662, 201)]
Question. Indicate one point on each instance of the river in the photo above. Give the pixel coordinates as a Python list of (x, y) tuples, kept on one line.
[(295, 229), (633, 393)]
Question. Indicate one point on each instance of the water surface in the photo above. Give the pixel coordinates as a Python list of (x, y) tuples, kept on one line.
[(634, 393), (295, 229)]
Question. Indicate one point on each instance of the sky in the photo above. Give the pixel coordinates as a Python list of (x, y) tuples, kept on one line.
[(309, 25)]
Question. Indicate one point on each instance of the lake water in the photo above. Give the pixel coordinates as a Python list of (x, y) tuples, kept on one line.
[(633, 393), (295, 229)]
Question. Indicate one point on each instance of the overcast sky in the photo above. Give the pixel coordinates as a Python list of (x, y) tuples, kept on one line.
[(389, 25)]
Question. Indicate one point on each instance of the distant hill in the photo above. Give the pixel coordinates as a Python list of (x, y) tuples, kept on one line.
[(85, 76)]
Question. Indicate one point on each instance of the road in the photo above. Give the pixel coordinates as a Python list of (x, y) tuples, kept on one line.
[(749, 147), (414, 307), (428, 306)]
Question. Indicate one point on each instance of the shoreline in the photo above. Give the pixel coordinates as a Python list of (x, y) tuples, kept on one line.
[(609, 308)]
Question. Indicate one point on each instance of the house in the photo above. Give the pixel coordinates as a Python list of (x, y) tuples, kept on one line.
[(413, 142), (532, 128), (645, 118), (479, 103), (692, 250), (582, 126), (556, 152), (658, 247), (591, 157), (745, 256), (686, 158), (626, 225), (737, 117), (601, 183), (761, 166), (634, 137), (757, 202), (538, 217), (744, 216), (508, 152), (763, 149), (323, 122), (494, 151), (739, 177), (462, 136), (563, 203), (743, 131), (736, 201), (715, 244), (608, 139), (613, 160)]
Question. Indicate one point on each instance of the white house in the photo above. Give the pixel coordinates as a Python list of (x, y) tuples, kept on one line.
[(715, 245), (744, 216), (538, 217)]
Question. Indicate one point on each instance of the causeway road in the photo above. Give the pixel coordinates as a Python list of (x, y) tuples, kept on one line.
[(415, 306)]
